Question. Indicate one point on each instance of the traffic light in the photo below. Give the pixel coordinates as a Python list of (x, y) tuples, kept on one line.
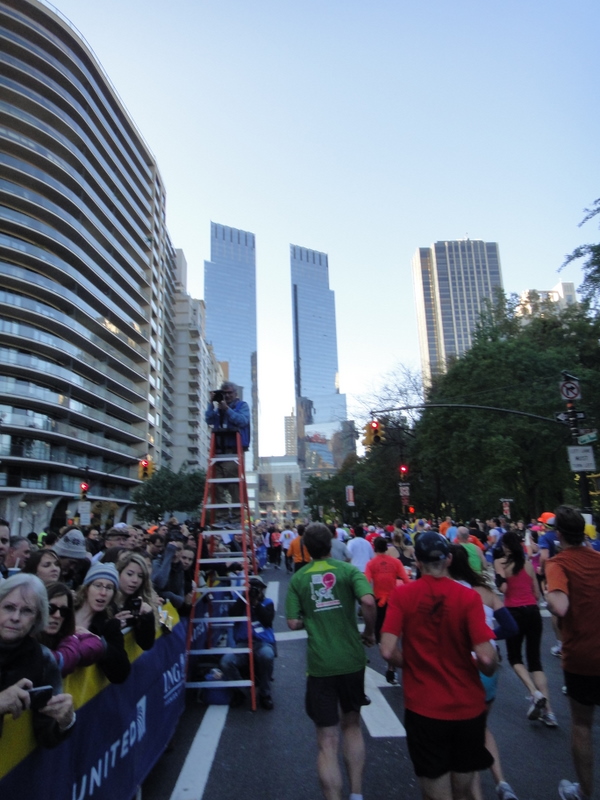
[(368, 429), (378, 432), (411, 509), (144, 469), (83, 490), (403, 471)]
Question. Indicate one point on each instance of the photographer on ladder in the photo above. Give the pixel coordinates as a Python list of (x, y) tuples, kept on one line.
[(227, 412)]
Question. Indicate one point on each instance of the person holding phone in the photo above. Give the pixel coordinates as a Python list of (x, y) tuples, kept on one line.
[(136, 608), (26, 666)]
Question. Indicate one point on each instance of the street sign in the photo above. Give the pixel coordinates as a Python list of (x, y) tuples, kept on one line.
[(562, 416), (570, 390), (85, 512), (581, 459), (588, 438), (404, 489), (350, 495)]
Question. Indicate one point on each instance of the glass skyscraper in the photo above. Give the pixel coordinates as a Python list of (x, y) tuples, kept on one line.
[(452, 281), (230, 296), (320, 408)]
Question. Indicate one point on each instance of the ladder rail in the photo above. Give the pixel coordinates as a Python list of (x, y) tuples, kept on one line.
[(246, 557)]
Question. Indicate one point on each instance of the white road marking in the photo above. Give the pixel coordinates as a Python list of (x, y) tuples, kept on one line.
[(380, 719), (194, 775), (273, 592)]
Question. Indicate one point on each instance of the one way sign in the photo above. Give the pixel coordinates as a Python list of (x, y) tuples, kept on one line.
[(562, 416)]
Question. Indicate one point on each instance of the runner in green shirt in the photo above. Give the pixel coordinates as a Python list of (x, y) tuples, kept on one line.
[(322, 597)]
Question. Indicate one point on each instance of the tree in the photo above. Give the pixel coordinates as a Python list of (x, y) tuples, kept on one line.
[(590, 288), (167, 491)]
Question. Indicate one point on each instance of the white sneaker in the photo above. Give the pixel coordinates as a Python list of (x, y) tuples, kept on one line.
[(557, 650), (538, 704), (569, 790), (505, 792), (549, 719)]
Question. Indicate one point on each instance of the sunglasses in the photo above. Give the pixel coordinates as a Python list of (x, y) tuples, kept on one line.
[(62, 610)]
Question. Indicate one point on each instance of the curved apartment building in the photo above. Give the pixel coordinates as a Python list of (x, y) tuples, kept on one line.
[(86, 280)]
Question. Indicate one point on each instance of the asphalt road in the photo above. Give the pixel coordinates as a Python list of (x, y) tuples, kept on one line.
[(269, 755)]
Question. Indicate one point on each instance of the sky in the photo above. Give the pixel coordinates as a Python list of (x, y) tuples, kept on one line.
[(364, 130)]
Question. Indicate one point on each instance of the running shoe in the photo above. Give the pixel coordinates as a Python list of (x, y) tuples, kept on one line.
[(538, 704), (569, 790), (390, 676), (549, 719), (505, 792), (557, 650)]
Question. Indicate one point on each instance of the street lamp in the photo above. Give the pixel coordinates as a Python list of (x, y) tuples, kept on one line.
[(22, 506)]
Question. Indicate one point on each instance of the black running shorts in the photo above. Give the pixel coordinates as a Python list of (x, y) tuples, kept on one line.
[(324, 697), (585, 689), (438, 746)]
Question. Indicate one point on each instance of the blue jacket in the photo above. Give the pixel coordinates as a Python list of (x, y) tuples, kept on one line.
[(236, 418)]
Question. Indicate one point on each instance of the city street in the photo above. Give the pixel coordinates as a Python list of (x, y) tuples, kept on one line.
[(239, 755)]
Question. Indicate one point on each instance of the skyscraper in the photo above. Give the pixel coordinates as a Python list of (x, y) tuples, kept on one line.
[(320, 408), (230, 296), (452, 280)]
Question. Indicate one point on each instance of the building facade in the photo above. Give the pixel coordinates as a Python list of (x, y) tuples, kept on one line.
[(87, 276), (535, 301), (321, 414), (230, 296), (452, 282)]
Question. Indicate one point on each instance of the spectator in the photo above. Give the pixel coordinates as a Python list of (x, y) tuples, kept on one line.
[(263, 643), (19, 550), (25, 663), (73, 557), (167, 573), (45, 564), (137, 608), (70, 649), (95, 612), (4, 545)]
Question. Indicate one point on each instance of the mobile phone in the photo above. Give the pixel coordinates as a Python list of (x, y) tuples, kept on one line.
[(39, 696), (136, 605)]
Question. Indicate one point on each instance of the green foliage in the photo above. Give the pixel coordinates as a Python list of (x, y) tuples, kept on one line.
[(590, 288), (167, 491)]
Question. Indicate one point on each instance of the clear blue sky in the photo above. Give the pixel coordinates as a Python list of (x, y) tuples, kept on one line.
[(364, 130)]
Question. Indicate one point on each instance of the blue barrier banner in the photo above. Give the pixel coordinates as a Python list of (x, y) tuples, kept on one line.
[(120, 733)]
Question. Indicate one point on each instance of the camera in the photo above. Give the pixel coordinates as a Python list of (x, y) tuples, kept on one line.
[(39, 696), (218, 396)]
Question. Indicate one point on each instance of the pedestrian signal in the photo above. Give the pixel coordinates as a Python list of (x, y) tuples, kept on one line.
[(144, 469), (83, 490)]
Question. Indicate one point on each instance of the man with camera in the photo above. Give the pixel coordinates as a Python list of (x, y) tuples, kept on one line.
[(263, 643), (228, 415)]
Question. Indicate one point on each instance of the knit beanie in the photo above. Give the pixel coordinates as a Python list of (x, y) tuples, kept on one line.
[(102, 571), (72, 545)]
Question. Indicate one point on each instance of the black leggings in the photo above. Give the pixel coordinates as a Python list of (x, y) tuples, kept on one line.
[(529, 620)]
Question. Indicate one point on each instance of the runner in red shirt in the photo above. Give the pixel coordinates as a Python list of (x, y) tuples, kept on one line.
[(441, 623)]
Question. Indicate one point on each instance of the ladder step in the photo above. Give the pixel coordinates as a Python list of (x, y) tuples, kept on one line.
[(216, 684), (223, 480), (222, 505), (224, 457), (221, 559), (210, 589), (219, 619), (220, 532), (219, 651)]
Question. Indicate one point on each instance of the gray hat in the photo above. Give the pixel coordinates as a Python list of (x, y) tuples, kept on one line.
[(72, 545), (102, 571)]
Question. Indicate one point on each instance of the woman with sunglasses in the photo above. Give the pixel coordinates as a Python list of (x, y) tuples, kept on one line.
[(136, 607), (95, 611), (45, 564), (70, 649)]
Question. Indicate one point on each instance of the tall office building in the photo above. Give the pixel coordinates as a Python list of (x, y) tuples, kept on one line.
[(291, 435), (230, 296), (323, 439), (86, 281), (452, 281)]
